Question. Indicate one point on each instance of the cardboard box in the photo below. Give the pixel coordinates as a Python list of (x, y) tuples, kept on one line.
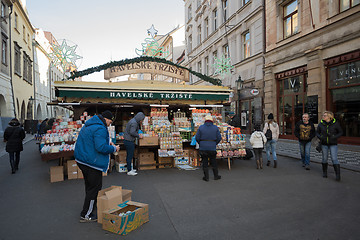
[(166, 162), (149, 141), (120, 167), (186, 153), (80, 174), (147, 167), (56, 174), (181, 160), (110, 197), (122, 225), (121, 157), (71, 167)]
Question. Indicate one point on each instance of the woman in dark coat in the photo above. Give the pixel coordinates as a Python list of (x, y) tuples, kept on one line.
[(14, 135)]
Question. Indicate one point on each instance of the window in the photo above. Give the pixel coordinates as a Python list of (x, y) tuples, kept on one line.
[(291, 25), (225, 5), (28, 38), (215, 18), (24, 35), (3, 10), (189, 13), (246, 39), (206, 66), (198, 3), (199, 34), (199, 67), (16, 21), (206, 33), (245, 1), (214, 57), (27, 71), (190, 44), (346, 4), (17, 57), (226, 51), (3, 51)]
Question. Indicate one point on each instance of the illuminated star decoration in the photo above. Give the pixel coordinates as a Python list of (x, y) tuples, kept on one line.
[(64, 56), (151, 47), (222, 66)]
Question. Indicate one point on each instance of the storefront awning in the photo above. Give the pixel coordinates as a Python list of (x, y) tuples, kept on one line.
[(139, 91)]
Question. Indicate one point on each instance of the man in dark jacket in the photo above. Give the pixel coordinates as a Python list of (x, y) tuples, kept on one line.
[(91, 153), (328, 131), (305, 132), (208, 136), (130, 134), (234, 120), (14, 135)]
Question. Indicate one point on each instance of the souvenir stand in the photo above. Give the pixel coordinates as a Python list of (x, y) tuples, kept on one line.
[(173, 114)]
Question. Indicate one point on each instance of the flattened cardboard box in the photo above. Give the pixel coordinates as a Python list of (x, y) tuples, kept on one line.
[(112, 222), (110, 197)]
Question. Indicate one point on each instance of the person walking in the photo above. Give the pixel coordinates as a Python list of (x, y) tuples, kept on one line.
[(208, 136), (91, 153), (271, 131), (130, 134), (328, 131), (258, 141), (305, 132), (13, 136)]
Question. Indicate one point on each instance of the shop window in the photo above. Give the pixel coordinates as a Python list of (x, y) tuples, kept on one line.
[(346, 4), (344, 90), (291, 24)]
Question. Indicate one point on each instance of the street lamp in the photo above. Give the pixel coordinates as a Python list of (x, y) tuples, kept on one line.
[(239, 85), (32, 127)]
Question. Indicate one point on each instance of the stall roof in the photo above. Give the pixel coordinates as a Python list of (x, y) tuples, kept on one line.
[(139, 91)]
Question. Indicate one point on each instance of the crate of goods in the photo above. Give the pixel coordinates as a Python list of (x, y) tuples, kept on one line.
[(147, 161), (166, 162), (125, 217)]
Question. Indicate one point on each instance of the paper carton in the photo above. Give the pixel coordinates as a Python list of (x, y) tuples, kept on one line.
[(80, 174), (110, 197), (122, 225), (56, 174), (149, 141)]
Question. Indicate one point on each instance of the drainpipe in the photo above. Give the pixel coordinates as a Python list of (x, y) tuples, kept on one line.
[(10, 65), (34, 102), (264, 51)]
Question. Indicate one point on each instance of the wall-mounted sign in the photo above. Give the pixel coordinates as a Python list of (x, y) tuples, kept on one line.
[(147, 67), (254, 92)]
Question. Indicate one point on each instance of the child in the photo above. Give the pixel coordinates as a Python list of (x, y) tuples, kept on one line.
[(258, 141)]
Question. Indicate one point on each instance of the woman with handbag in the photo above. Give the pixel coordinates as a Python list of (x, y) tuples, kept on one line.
[(328, 131), (14, 135), (271, 131), (258, 140)]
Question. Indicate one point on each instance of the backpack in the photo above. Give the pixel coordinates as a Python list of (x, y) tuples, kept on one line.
[(248, 154), (268, 133)]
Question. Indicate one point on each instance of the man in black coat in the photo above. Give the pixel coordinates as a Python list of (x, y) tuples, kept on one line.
[(14, 135)]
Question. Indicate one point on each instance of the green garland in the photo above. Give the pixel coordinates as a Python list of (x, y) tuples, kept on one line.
[(76, 74)]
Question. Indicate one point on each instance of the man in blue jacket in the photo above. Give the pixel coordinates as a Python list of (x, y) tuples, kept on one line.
[(92, 151), (208, 136)]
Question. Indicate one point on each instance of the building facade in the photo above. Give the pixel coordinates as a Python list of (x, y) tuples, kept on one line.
[(22, 61), (7, 109), (231, 29), (312, 63)]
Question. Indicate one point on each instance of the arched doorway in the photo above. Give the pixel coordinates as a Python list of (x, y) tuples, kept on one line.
[(39, 113), (29, 112), (3, 110)]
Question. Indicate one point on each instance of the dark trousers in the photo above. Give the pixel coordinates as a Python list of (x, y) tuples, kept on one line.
[(14, 160), (207, 156), (258, 153), (93, 184), (130, 149)]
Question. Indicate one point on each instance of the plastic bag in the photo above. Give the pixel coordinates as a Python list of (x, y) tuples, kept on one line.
[(193, 141)]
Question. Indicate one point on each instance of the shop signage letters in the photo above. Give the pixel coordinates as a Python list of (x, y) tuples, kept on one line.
[(150, 95), (146, 67)]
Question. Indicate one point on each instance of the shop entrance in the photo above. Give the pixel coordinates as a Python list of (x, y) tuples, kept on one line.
[(292, 102)]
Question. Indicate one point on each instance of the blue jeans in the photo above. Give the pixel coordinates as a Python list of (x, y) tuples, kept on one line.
[(271, 145), (130, 149), (333, 153), (305, 152)]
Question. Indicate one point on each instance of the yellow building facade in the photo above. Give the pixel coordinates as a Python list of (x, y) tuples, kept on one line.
[(22, 61)]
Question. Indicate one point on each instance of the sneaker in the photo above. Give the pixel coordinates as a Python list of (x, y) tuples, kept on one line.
[(88, 219), (205, 179), (132, 173), (307, 167), (217, 178)]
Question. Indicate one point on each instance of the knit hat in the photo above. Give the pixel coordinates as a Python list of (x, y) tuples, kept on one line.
[(209, 118), (107, 114), (270, 116)]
